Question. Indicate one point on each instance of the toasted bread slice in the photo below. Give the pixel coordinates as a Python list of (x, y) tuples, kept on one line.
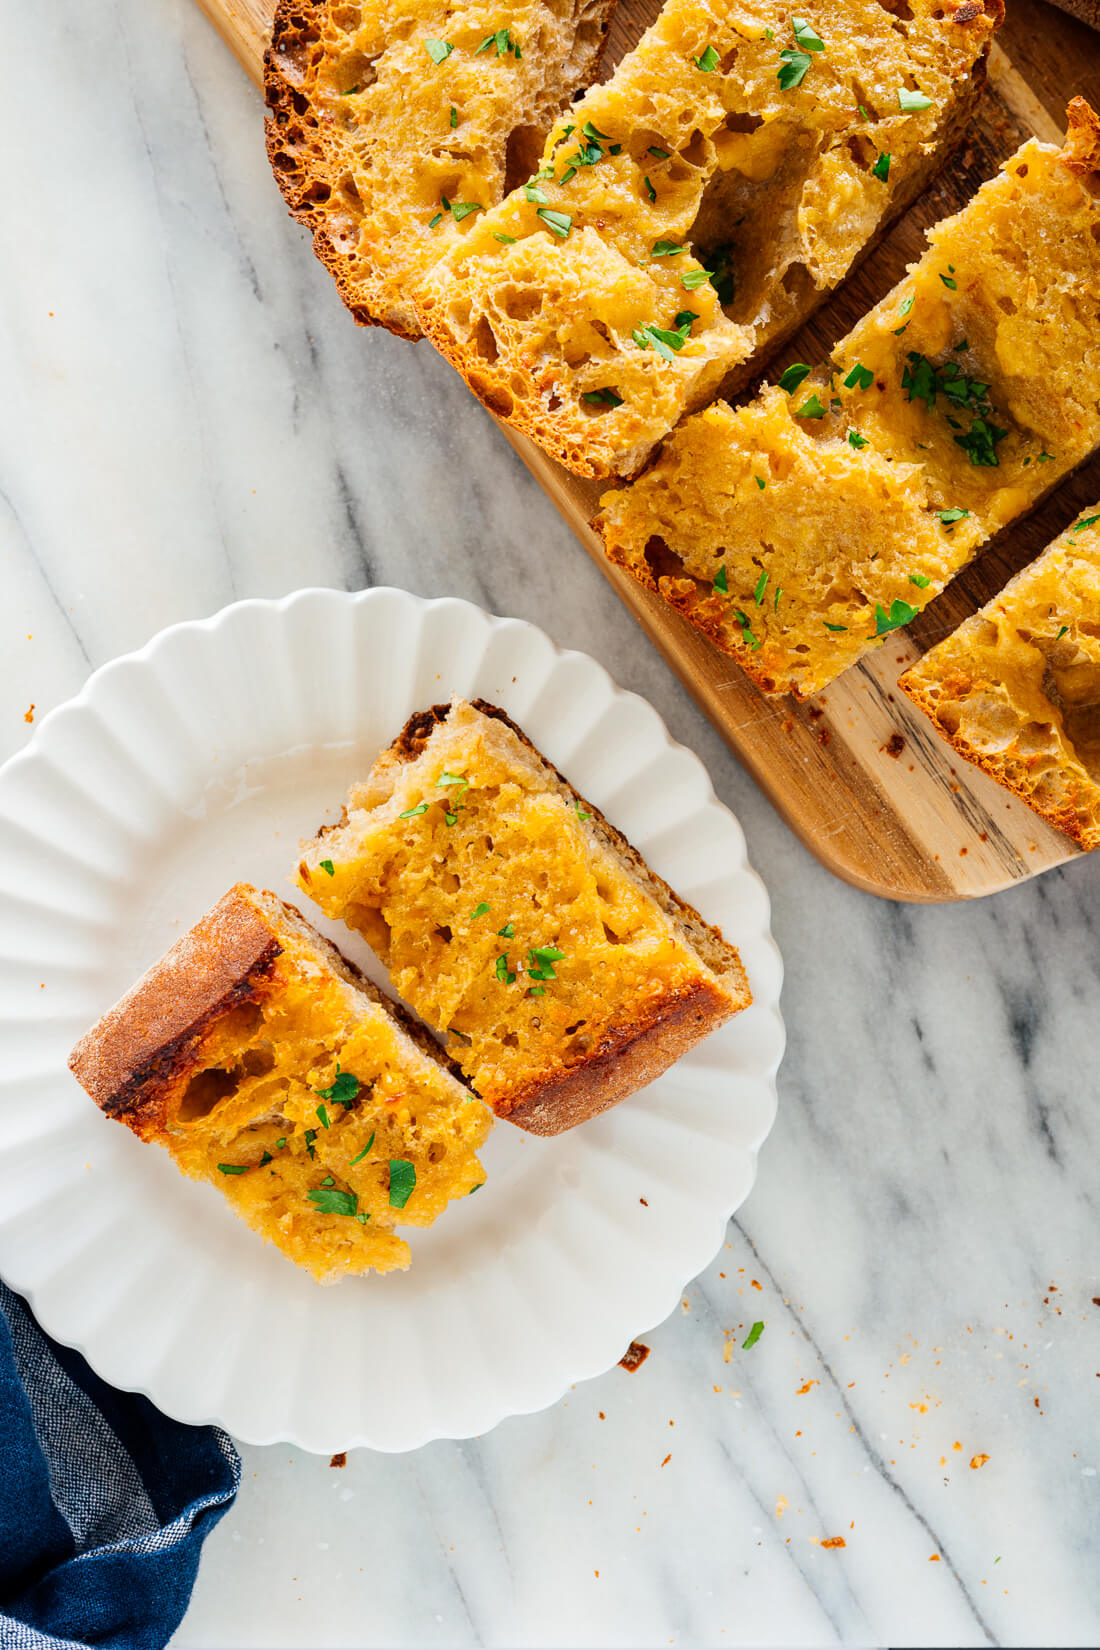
[(1016, 689), (515, 918), (800, 530), (692, 211), (393, 124), (270, 1067)]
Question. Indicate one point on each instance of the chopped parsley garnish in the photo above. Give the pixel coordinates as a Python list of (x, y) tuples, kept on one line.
[(900, 614), (906, 306), (547, 956), (1085, 521), (695, 278), (753, 1336), (662, 339), (948, 517), (665, 249), (881, 168), (707, 61), (721, 581), (454, 116), (537, 196), (476, 1188), (508, 932), (980, 441), (328, 867), (334, 1202), (811, 408), (829, 626), (1061, 633), (649, 189), (328, 1181), (1045, 458), (559, 223), (402, 1181), (503, 42), (322, 1113), (411, 813), (793, 376), (760, 482), (344, 1088), (761, 586), (309, 1137), (857, 441), (860, 378), (481, 910), (658, 154), (233, 1168), (793, 72), (503, 973), (805, 35), (448, 779), (605, 397), (949, 282), (280, 1144), (438, 50), (580, 811), (358, 1158), (778, 593), (921, 580), (433, 221), (266, 1158), (463, 209), (505, 240), (745, 622), (911, 102)]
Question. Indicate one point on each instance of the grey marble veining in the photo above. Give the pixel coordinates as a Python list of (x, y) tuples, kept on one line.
[(189, 417)]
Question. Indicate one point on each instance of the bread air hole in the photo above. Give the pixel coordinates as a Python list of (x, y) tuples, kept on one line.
[(521, 156), (206, 1090), (354, 72)]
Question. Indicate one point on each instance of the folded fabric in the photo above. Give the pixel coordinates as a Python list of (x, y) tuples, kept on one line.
[(104, 1502)]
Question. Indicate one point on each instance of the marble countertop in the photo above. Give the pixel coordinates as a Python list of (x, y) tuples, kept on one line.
[(910, 1453)]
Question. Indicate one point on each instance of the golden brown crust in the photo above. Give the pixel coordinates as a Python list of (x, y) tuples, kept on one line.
[(150, 1036), (1082, 148), (626, 1059), (1006, 772)]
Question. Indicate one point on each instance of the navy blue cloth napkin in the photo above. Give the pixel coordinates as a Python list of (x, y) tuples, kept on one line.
[(104, 1502)]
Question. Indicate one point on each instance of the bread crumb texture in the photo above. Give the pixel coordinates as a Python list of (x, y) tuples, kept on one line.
[(799, 530), (517, 922), (715, 189), (392, 125), (1016, 688), (301, 1095)]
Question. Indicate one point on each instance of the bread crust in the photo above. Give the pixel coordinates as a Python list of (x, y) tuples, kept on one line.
[(630, 1054), (150, 1038)]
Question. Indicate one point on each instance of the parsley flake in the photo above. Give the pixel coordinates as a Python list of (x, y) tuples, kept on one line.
[(829, 626), (900, 614), (446, 780), (857, 441), (503, 42), (463, 209), (503, 974), (508, 932), (344, 1088), (559, 223), (322, 1113), (745, 622), (721, 581), (358, 1158), (546, 955), (605, 397), (860, 378), (881, 168), (1085, 521), (811, 408), (761, 586), (580, 811), (793, 72), (658, 154), (665, 249), (649, 189), (334, 1202), (328, 867), (411, 813), (948, 517), (906, 306), (438, 50), (1061, 633), (805, 35), (537, 196), (481, 910), (281, 1143), (695, 278), (760, 482), (402, 1181), (753, 1335), (707, 62), (454, 117), (505, 240), (793, 376), (921, 580), (233, 1168), (911, 103), (949, 282)]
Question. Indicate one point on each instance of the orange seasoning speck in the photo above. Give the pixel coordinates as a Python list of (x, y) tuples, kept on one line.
[(934, 1559), (978, 1460), (806, 1388), (28, 715), (834, 1541), (666, 1460)]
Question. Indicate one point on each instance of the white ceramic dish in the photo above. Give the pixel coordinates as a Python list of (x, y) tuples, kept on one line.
[(204, 759)]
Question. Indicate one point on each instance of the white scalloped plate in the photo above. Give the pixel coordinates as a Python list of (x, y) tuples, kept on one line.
[(204, 759)]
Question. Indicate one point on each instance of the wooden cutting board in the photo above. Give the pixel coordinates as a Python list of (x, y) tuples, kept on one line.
[(859, 773)]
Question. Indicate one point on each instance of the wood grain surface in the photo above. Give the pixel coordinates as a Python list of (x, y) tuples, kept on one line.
[(858, 773)]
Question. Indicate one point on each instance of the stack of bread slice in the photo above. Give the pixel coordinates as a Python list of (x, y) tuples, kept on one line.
[(692, 211), (799, 530), (392, 125), (1016, 689)]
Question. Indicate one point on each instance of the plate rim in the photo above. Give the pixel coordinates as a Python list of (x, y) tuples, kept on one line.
[(589, 1368)]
